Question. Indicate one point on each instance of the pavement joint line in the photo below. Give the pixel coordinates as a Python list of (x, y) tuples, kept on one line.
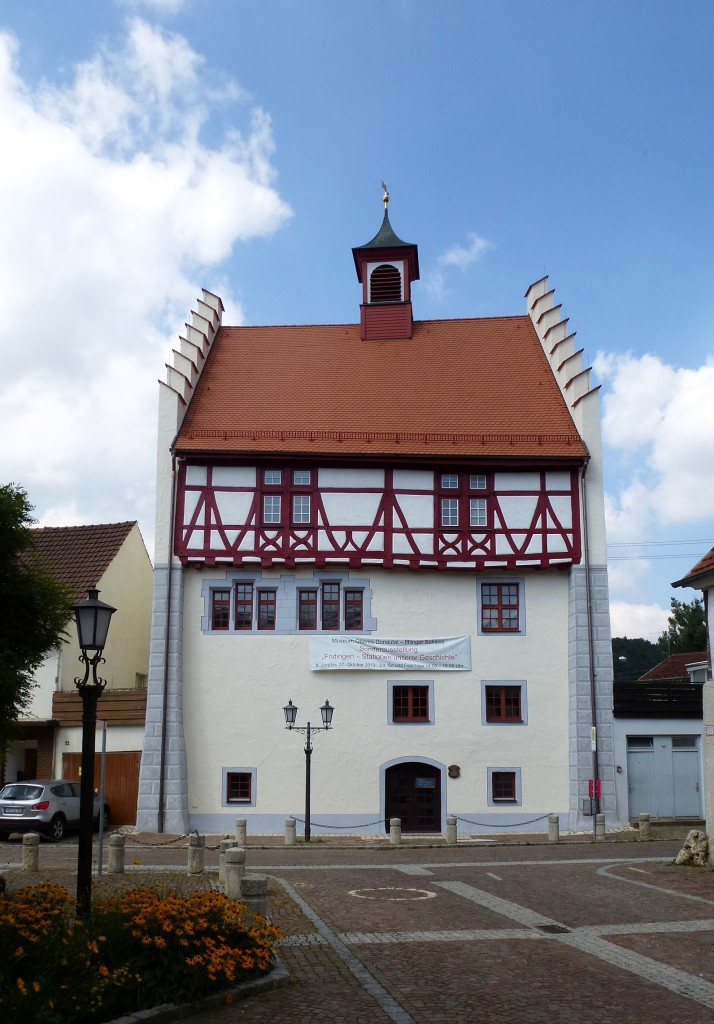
[(505, 908), (604, 871), (367, 980)]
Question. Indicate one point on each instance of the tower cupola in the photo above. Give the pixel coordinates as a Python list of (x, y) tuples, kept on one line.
[(386, 267)]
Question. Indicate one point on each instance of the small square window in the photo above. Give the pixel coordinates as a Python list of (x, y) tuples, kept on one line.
[(503, 704), (301, 477), (450, 481), (503, 787), (477, 482), (239, 787), (500, 607), (410, 703), (301, 508), (273, 477)]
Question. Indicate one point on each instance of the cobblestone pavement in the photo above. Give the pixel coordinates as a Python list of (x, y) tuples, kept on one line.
[(578, 932)]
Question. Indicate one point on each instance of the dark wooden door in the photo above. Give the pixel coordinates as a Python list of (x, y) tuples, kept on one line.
[(121, 782), (413, 794)]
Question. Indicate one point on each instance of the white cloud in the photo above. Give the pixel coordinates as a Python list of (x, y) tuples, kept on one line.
[(460, 256), (111, 206), (638, 620), (157, 6), (662, 418)]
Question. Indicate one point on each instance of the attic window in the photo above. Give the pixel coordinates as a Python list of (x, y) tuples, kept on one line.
[(385, 284)]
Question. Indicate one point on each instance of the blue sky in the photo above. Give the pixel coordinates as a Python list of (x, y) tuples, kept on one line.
[(157, 146)]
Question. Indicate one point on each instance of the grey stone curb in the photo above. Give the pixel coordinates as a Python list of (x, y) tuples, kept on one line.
[(277, 977)]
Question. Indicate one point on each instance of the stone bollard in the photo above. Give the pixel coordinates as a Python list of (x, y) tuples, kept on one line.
[(290, 833), (644, 832), (234, 872), (115, 865), (254, 893), (31, 851), (196, 851), (395, 831), (223, 847), (599, 828), (241, 831), (451, 831), (553, 828)]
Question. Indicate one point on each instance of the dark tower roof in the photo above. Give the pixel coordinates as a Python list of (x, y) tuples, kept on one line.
[(387, 240)]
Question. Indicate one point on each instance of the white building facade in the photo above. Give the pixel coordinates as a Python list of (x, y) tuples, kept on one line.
[(405, 518)]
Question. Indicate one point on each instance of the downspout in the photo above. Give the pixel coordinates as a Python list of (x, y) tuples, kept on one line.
[(591, 659), (167, 636)]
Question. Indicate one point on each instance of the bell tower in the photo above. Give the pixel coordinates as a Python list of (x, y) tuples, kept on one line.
[(386, 267)]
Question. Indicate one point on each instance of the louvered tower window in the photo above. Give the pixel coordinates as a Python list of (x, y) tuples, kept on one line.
[(385, 284)]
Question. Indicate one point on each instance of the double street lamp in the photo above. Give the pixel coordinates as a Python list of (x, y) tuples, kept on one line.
[(93, 617), (290, 716)]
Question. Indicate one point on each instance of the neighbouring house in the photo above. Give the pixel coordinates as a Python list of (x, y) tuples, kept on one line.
[(701, 577), (405, 517), (658, 740), (113, 558)]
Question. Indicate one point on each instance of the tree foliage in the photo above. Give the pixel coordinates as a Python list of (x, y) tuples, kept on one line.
[(686, 629), (34, 608), (633, 657)]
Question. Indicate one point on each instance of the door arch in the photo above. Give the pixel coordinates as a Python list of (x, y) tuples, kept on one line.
[(413, 793)]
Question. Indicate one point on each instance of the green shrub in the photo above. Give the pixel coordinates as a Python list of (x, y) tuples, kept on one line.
[(138, 949)]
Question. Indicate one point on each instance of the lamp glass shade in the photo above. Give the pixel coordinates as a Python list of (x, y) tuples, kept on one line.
[(326, 711), (93, 617), (290, 714)]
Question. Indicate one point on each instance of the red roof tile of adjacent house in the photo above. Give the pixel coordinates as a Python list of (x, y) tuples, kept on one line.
[(79, 555), (675, 666), (456, 387), (703, 567)]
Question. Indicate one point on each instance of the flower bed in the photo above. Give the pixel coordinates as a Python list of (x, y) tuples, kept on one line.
[(139, 948)]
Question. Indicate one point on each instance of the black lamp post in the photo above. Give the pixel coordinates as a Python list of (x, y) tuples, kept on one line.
[(93, 617), (290, 715)]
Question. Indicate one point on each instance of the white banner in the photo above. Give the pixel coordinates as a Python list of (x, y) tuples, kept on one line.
[(444, 654)]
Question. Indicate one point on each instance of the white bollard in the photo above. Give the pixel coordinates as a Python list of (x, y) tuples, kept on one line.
[(223, 847), (241, 831), (196, 849), (599, 828), (234, 872), (254, 893), (553, 828), (451, 831), (290, 832), (115, 865), (644, 832), (31, 851), (395, 831)]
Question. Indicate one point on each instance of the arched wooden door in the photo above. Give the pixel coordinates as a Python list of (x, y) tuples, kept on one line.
[(413, 794)]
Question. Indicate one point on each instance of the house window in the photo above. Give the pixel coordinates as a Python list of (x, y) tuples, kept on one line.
[(504, 786), (449, 512), (271, 508), (450, 481), (410, 703), (477, 482), (385, 284), (266, 609), (273, 477), (239, 787), (500, 607), (301, 508), (301, 477), (477, 511), (220, 609), (330, 606), (307, 609), (354, 602), (503, 704), (244, 606)]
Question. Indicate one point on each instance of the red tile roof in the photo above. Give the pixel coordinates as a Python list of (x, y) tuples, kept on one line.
[(79, 555), (703, 567), (675, 666), (457, 387)]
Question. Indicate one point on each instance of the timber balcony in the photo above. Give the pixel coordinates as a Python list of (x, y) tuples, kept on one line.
[(666, 698)]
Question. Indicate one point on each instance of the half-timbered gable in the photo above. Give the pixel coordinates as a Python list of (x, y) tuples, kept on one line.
[(408, 513)]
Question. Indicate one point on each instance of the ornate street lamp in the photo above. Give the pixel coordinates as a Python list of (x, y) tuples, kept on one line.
[(93, 617), (290, 712)]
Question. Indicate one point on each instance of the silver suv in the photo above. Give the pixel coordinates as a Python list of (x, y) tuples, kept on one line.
[(49, 806)]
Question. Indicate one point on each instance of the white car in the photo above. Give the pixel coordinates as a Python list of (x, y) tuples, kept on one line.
[(48, 806)]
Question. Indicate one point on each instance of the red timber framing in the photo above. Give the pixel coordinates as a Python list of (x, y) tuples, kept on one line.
[(243, 514)]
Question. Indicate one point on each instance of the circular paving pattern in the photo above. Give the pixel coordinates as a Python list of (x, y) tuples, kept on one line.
[(380, 893)]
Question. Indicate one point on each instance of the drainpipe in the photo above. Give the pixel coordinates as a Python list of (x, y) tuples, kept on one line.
[(167, 636), (591, 658)]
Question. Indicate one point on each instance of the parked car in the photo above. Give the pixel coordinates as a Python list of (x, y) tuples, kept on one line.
[(48, 806)]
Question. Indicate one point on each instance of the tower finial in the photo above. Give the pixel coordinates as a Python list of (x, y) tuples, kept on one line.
[(385, 197)]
